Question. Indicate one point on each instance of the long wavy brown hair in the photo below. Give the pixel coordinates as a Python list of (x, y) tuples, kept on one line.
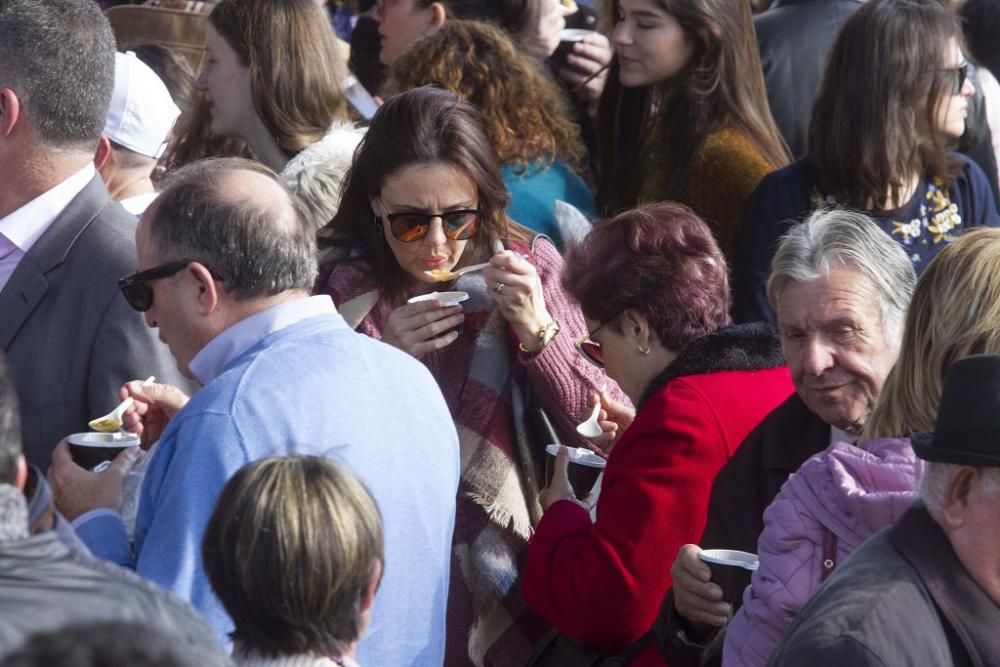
[(873, 124), (525, 115), (722, 86)]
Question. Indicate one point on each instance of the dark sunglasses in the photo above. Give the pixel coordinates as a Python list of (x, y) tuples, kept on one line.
[(136, 290), (591, 349), (957, 77), (409, 226)]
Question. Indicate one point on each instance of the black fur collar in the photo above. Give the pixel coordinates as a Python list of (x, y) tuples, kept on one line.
[(743, 347)]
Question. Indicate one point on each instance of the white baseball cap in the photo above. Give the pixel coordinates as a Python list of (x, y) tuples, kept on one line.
[(142, 112)]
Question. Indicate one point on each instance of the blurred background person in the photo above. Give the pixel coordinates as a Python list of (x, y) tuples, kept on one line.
[(877, 143), (538, 144), (294, 550), (425, 195), (839, 499), (652, 284), (273, 78), (140, 119), (684, 116), (535, 26), (795, 37)]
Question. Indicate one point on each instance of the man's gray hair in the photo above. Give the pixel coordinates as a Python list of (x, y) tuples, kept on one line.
[(257, 247), (936, 478), (836, 238), (58, 56)]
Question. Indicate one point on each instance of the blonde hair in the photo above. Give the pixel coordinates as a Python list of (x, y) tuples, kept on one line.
[(954, 313), (289, 550)]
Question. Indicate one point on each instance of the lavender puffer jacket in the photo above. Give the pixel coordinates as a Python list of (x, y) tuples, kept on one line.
[(847, 492)]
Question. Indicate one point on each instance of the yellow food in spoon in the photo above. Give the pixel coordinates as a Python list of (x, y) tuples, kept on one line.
[(440, 275), (105, 425)]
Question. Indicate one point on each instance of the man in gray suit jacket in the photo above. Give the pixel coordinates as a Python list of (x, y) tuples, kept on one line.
[(70, 338)]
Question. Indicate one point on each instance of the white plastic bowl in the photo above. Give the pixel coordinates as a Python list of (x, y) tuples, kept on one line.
[(444, 298)]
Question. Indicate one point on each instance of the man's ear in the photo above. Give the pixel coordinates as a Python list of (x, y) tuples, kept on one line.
[(10, 111), (103, 156), (208, 290), (956, 497), (438, 15), (22, 472), (368, 594)]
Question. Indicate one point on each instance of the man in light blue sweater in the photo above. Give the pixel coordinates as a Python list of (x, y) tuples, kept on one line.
[(228, 261)]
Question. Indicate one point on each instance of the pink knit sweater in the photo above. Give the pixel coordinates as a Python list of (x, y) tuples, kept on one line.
[(498, 498)]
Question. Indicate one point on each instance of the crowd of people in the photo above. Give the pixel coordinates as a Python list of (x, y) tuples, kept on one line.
[(399, 274)]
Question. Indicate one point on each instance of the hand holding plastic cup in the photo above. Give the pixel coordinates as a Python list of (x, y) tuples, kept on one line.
[(584, 468), (720, 560)]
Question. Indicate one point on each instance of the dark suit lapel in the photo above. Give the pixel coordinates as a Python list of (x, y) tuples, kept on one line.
[(28, 284)]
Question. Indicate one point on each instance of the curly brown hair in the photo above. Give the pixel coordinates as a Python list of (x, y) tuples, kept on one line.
[(526, 115)]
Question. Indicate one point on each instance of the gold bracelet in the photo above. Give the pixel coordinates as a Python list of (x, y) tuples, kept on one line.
[(545, 336)]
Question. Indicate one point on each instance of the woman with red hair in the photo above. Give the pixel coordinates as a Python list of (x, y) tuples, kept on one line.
[(652, 285)]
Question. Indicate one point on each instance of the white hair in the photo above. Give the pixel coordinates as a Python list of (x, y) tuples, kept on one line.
[(835, 238), (937, 476)]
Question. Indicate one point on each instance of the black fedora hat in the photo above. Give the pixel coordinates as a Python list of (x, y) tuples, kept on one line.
[(967, 430)]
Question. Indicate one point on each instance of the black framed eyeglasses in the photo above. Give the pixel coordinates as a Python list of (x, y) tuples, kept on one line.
[(957, 77), (409, 226), (591, 349), (136, 290)]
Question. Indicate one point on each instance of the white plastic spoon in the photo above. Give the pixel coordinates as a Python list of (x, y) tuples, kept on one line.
[(113, 420), (590, 428)]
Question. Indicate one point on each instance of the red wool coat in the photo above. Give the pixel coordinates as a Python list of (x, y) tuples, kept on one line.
[(603, 582)]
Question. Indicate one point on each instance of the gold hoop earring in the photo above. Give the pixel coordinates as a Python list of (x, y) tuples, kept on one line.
[(643, 350)]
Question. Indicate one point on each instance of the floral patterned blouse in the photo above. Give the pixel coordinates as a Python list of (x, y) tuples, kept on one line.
[(934, 216)]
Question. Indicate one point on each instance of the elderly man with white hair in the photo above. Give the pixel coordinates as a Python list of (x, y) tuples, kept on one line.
[(927, 590), (836, 272)]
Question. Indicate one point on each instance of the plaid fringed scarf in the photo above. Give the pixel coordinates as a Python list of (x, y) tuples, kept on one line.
[(497, 504)]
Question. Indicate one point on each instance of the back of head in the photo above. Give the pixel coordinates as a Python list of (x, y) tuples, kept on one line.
[(10, 426), (235, 217), (660, 260), (480, 63), (58, 57), (290, 550), (955, 312), (422, 126), (296, 71), (836, 238), (105, 644), (872, 124)]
